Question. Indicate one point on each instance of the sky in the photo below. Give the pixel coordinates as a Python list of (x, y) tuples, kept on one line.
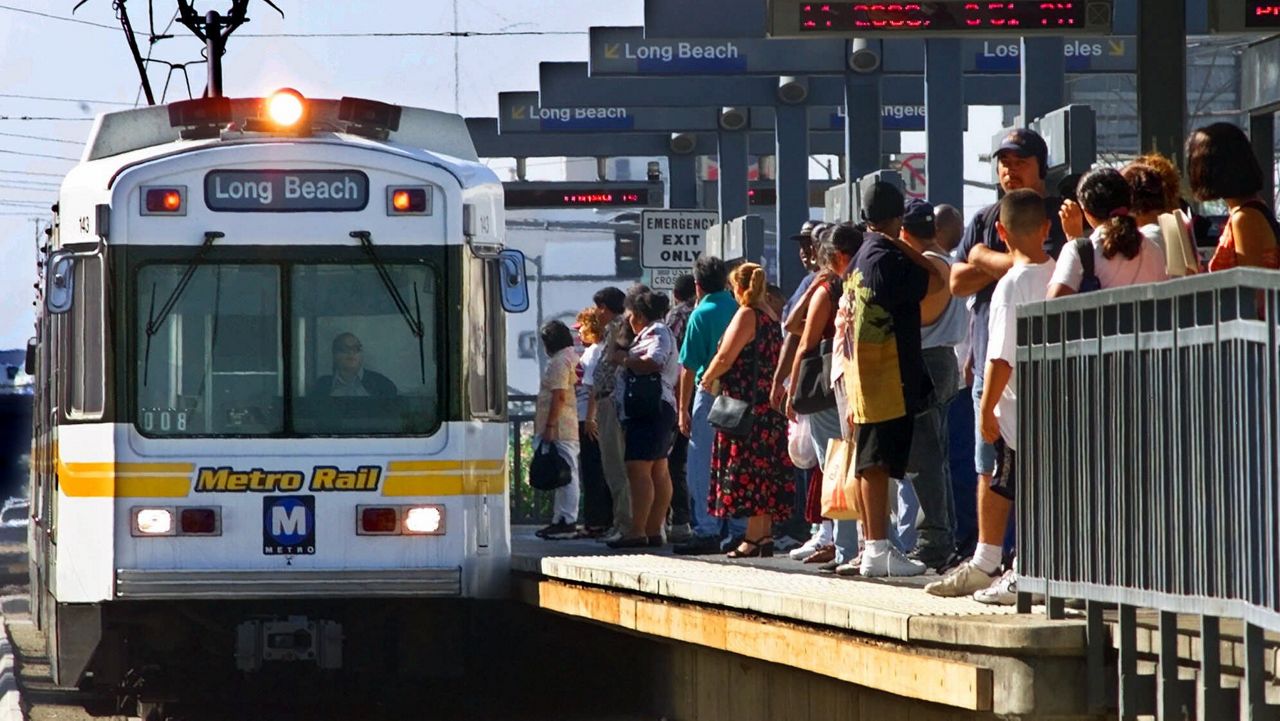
[(83, 69)]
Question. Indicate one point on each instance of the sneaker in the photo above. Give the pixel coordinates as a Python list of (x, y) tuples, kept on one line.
[(852, 568), (830, 566), (825, 554), (964, 580), (561, 531), (542, 532), (698, 546), (1004, 592), (613, 534), (931, 559), (594, 532), (679, 533), (891, 564), (808, 548)]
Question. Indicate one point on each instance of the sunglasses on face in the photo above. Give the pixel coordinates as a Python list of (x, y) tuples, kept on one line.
[(350, 348)]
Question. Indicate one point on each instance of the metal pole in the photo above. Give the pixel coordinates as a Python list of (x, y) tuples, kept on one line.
[(862, 138), (1162, 77), (1262, 131), (683, 170), (214, 42), (792, 134), (733, 175), (944, 120), (1044, 77)]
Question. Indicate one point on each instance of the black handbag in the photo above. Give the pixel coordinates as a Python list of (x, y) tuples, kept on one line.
[(642, 396), (733, 416), (814, 392), (549, 470)]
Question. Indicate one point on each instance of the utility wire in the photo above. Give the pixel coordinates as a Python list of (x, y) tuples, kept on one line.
[(437, 34), (44, 117), (64, 19), (63, 100), (16, 171), (423, 34), (29, 189), (42, 137), (39, 155)]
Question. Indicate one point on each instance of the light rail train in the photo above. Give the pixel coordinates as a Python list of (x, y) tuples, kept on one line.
[(270, 391)]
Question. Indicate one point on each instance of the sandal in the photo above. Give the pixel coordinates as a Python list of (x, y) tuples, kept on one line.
[(759, 548)]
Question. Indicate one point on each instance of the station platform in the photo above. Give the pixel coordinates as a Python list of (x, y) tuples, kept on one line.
[(953, 657)]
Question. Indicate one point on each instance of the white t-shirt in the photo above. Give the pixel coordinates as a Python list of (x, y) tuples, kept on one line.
[(590, 357), (1148, 266), (1024, 283)]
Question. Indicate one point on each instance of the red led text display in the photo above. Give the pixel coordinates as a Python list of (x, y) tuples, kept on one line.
[(1262, 14), (557, 195), (945, 15)]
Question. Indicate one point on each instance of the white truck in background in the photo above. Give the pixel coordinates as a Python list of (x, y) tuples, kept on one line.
[(571, 254)]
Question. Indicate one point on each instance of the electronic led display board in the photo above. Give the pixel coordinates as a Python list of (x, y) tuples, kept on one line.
[(583, 195), (794, 18)]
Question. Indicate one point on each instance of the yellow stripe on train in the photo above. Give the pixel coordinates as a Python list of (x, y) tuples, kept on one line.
[(175, 480)]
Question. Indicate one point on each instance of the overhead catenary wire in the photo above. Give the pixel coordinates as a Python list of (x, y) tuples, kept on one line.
[(42, 137), (54, 99), (39, 155), (382, 34), (20, 171), (45, 117)]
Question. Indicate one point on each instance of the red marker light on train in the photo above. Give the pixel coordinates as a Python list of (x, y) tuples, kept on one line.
[(379, 520), (408, 201), (163, 200), (198, 522)]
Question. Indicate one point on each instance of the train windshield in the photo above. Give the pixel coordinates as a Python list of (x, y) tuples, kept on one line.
[(288, 350)]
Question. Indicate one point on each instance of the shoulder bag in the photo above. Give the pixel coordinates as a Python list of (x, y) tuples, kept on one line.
[(1090, 282), (734, 416)]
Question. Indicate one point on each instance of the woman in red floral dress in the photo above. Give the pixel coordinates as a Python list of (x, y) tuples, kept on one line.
[(751, 477)]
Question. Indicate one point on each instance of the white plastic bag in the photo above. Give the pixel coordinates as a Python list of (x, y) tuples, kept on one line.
[(800, 444)]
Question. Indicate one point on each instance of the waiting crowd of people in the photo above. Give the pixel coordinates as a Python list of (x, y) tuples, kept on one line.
[(875, 411)]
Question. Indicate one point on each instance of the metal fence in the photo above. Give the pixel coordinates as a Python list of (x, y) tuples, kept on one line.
[(527, 505), (1148, 470)]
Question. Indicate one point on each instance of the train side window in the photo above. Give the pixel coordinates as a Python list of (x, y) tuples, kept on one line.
[(485, 371), (86, 382)]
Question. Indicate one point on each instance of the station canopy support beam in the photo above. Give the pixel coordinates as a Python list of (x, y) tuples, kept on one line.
[(944, 122), (1162, 77), (1044, 77)]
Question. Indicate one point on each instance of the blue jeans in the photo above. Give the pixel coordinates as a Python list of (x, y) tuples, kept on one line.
[(698, 471), (964, 481)]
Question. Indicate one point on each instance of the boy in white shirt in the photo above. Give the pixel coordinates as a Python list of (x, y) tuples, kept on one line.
[(1023, 227)]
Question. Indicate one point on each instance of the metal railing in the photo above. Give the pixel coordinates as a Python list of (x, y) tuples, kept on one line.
[(527, 505), (1149, 473)]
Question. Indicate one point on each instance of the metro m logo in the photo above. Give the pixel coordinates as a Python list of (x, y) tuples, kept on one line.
[(288, 521), (289, 525)]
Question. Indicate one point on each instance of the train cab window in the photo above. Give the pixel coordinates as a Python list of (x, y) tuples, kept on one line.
[(487, 339), (213, 363), (86, 382), (365, 350)]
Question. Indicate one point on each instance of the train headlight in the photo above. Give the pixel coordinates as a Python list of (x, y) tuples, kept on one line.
[(286, 107), (424, 520), (153, 522)]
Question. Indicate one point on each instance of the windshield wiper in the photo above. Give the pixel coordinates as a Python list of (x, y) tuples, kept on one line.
[(414, 323), (154, 322)]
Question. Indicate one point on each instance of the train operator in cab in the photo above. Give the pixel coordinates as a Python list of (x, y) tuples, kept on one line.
[(350, 377)]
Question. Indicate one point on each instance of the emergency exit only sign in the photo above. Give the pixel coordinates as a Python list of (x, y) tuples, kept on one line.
[(673, 238)]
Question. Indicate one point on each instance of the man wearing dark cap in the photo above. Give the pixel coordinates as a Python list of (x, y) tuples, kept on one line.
[(806, 244), (945, 323), (884, 376), (1022, 161)]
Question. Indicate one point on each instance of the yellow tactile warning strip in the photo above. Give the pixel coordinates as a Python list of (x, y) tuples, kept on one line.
[(444, 478)]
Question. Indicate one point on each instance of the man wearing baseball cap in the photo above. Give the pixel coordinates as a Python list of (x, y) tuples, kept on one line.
[(1022, 161), (884, 378)]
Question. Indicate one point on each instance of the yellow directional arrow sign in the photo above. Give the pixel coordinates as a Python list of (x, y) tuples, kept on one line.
[(1117, 47), (517, 112), (611, 51)]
